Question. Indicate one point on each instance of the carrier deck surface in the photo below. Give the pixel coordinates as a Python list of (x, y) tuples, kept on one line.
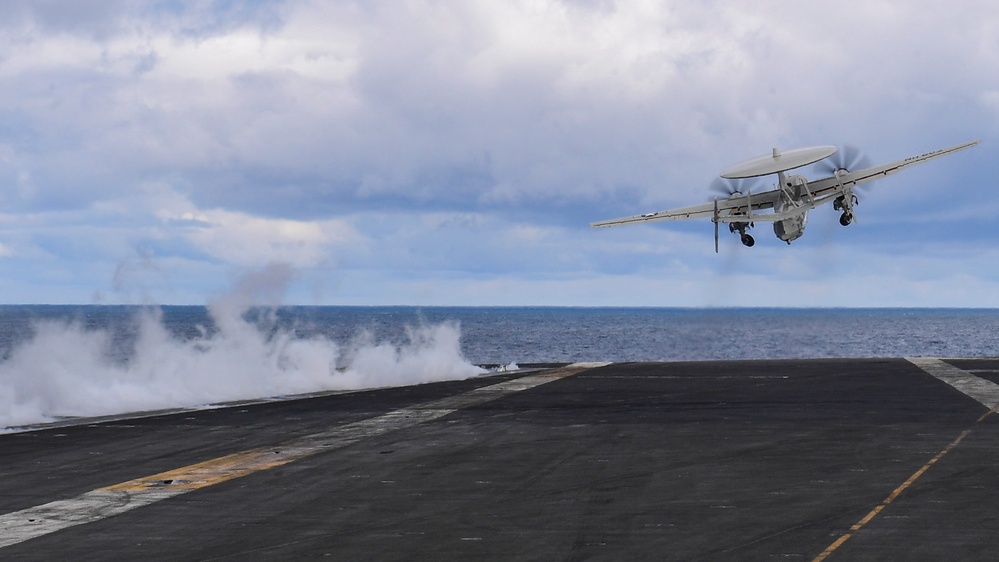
[(868, 459)]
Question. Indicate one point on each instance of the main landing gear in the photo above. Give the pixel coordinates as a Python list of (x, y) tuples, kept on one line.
[(740, 227), (845, 204)]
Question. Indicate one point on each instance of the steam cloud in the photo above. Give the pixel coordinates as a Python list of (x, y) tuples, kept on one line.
[(66, 370)]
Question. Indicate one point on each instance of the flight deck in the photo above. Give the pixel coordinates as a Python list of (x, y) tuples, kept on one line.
[(831, 459)]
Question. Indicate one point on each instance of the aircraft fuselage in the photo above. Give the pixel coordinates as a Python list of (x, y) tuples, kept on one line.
[(794, 191)]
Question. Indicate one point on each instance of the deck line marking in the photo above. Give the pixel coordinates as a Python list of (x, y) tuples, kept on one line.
[(983, 391), (33, 522), (891, 497)]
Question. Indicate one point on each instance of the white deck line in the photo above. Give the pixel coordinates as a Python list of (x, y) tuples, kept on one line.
[(34, 522), (984, 391)]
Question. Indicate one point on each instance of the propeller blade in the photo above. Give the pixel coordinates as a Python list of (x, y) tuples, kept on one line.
[(854, 158), (723, 187), (729, 187), (846, 157), (714, 219), (827, 166)]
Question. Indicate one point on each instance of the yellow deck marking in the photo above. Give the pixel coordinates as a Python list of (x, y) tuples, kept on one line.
[(985, 392), (891, 497), (832, 547), (206, 473), (102, 503)]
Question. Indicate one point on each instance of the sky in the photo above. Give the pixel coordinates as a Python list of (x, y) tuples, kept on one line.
[(454, 153)]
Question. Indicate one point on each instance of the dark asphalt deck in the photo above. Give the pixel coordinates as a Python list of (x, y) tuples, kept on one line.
[(748, 460)]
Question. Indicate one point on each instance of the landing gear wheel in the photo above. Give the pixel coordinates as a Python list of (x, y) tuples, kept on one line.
[(845, 219), (748, 241)]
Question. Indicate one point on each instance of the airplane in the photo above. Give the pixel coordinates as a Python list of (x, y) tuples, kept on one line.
[(793, 196)]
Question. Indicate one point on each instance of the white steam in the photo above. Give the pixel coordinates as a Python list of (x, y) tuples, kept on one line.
[(67, 370)]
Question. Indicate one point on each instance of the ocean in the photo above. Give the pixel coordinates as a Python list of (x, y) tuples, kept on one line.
[(61, 361), (501, 335)]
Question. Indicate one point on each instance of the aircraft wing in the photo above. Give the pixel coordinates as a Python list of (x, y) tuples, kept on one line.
[(827, 187), (739, 206), (742, 208)]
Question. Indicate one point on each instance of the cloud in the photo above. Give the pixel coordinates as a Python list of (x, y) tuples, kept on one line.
[(244, 240), (492, 104), (476, 140)]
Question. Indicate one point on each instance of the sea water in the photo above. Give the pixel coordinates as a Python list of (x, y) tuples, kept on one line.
[(58, 361), (501, 335)]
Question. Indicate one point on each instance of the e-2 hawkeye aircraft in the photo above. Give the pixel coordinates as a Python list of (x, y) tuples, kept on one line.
[(793, 196)]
